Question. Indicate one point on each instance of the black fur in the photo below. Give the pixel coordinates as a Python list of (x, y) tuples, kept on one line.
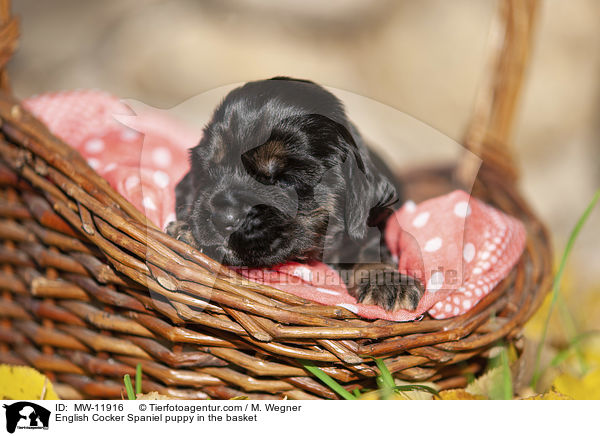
[(281, 174)]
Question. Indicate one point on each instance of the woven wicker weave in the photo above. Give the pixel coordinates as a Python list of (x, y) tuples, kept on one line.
[(89, 288)]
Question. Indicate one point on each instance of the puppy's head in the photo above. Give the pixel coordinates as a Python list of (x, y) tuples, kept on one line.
[(279, 176)]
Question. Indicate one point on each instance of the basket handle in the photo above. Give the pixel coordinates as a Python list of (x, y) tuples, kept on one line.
[(489, 133), (9, 37)]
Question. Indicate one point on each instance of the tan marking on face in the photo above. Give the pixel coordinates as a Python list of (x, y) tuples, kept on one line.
[(270, 156), (219, 154)]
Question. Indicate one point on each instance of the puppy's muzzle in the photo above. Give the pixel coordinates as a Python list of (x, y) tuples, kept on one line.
[(229, 210)]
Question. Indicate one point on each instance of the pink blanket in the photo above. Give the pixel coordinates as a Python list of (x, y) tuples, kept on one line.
[(459, 247)]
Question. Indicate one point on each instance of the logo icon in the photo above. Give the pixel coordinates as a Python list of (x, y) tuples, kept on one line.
[(26, 415)]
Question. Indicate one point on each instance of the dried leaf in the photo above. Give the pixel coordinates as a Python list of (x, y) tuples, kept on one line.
[(154, 396), (459, 394), (377, 395), (585, 388), (552, 394), (24, 383), (486, 385)]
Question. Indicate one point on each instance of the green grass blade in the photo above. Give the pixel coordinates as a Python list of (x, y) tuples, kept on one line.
[(331, 383), (128, 387), (138, 378), (507, 388), (501, 382), (562, 355), (386, 376), (556, 285), (569, 325)]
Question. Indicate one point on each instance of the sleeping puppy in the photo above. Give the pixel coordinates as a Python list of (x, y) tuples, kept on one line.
[(281, 174)]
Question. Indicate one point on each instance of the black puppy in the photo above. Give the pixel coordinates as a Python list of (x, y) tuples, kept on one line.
[(281, 174)]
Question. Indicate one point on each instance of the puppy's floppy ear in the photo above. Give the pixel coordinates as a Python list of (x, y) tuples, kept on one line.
[(367, 193)]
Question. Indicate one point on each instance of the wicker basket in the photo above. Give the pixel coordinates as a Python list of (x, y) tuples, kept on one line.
[(89, 288)]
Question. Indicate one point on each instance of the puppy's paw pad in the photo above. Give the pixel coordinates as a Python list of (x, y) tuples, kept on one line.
[(408, 296), (390, 290), (181, 231)]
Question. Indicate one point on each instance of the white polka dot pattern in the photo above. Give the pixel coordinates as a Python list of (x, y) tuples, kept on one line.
[(421, 219), (129, 135), (148, 203), (435, 282), (92, 122), (94, 163), (433, 244), (410, 206), (94, 146), (468, 252), (304, 273), (459, 245), (162, 157), (462, 209), (160, 179)]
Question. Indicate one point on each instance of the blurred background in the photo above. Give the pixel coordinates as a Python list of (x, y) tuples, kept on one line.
[(423, 58)]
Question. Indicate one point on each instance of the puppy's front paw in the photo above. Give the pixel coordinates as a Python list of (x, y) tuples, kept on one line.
[(386, 287), (181, 231)]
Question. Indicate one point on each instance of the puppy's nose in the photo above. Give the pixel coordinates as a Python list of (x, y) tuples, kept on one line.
[(228, 219), (228, 211)]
